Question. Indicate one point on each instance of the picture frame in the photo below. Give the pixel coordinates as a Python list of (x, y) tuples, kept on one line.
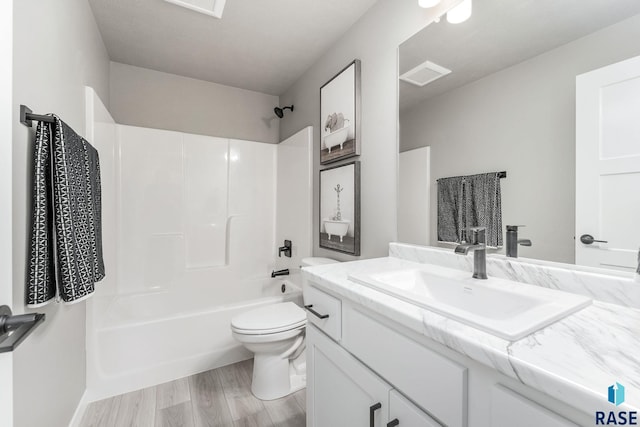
[(340, 115), (339, 219)]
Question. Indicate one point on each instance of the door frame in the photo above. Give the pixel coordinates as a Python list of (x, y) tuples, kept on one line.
[(6, 141)]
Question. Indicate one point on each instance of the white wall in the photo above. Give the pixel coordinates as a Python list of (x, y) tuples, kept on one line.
[(414, 200), (522, 120), (57, 51), (374, 40), (6, 125), (153, 99), (294, 190)]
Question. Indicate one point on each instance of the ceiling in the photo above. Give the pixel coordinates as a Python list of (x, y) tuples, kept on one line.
[(500, 34), (260, 45)]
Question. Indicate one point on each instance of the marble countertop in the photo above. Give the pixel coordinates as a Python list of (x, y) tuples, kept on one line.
[(574, 360)]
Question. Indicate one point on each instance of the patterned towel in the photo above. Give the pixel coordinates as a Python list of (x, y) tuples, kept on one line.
[(66, 236), (470, 201), (450, 209)]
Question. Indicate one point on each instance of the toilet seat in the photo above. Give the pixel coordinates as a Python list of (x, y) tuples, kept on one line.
[(270, 319)]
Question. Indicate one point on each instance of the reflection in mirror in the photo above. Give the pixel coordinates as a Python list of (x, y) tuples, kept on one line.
[(509, 104)]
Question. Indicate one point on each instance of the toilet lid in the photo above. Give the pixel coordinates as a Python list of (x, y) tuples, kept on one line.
[(269, 319)]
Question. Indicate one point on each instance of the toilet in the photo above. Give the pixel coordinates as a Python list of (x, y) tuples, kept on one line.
[(275, 334)]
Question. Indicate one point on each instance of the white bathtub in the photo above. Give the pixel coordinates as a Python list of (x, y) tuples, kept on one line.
[(140, 340), (336, 228)]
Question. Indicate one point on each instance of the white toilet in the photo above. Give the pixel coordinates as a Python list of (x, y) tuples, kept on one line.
[(275, 334)]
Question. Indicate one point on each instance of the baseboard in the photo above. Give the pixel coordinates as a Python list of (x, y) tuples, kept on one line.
[(80, 410)]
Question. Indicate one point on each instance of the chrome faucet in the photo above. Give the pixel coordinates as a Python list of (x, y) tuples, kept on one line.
[(513, 241), (479, 248)]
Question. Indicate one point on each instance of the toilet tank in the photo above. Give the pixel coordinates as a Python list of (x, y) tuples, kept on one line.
[(311, 261)]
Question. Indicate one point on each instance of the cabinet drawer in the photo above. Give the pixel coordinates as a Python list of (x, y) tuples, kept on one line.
[(435, 383), (408, 414), (508, 409), (323, 304)]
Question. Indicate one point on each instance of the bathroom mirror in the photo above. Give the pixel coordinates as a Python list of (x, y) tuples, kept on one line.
[(509, 104)]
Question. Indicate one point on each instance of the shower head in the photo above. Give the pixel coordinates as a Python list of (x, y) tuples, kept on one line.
[(280, 111)]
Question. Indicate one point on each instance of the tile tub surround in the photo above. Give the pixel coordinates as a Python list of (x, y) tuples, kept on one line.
[(607, 286), (574, 360)]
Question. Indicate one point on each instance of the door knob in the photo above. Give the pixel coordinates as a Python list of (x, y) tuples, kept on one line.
[(588, 239)]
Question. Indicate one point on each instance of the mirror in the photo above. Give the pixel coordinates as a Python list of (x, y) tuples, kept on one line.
[(509, 104)]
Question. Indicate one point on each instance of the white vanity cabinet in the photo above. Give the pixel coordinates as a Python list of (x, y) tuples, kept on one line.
[(509, 409), (341, 391), (364, 369)]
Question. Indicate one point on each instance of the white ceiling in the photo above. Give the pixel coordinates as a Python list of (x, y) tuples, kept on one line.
[(500, 34), (261, 45)]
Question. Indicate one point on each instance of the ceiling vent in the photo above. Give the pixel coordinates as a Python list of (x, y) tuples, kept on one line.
[(208, 7), (424, 73)]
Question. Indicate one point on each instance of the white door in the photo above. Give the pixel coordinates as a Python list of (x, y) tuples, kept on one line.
[(340, 390), (6, 106), (608, 166), (404, 413)]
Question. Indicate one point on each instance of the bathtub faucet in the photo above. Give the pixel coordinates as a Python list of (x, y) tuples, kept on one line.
[(284, 272)]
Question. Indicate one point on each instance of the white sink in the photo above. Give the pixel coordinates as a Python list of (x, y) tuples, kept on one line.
[(507, 309)]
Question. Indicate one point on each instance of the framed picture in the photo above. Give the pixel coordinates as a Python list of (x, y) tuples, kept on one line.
[(340, 115), (340, 208)]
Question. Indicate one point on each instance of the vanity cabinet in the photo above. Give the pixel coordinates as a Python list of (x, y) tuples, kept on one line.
[(509, 409), (364, 369), (341, 391)]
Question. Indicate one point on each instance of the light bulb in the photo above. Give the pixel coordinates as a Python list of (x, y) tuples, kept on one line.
[(460, 13), (428, 3)]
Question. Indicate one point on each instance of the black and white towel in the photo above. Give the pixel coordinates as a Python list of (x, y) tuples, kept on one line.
[(66, 237), (470, 201), (450, 209)]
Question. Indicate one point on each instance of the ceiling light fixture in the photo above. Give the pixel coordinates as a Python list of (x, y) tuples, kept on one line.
[(428, 3), (460, 13)]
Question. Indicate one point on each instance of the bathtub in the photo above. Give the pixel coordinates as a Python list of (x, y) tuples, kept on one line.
[(338, 137), (140, 340), (336, 228)]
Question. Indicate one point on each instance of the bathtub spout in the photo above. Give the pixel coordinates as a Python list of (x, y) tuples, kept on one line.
[(284, 272)]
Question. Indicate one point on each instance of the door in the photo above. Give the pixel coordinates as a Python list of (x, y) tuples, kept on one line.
[(340, 390), (6, 52), (608, 166), (403, 413)]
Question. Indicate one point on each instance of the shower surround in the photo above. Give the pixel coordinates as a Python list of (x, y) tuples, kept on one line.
[(189, 226)]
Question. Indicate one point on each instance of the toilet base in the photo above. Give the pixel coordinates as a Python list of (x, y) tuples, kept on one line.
[(275, 377)]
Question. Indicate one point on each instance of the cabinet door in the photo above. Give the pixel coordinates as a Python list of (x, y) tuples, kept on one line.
[(406, 413), (340, 390), (510, 409)]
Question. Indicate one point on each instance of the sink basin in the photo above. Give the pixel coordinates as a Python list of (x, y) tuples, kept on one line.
[(507, 309)]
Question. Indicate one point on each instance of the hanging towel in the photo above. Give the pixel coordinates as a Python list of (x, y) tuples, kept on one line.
[(470, 201), (450, 209), (66, 237), (482, 205)]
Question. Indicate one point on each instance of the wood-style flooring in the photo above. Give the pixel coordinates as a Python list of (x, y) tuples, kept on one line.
[(221, 397)]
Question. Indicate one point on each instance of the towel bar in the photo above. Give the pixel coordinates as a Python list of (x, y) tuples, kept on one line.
[(14, 329), (26, 116)]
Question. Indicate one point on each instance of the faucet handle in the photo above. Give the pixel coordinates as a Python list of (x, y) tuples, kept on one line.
[(478, 235), (514, 227)]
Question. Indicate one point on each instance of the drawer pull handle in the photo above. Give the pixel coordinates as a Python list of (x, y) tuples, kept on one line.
[(321, 316), (393, 423), (372, 413)]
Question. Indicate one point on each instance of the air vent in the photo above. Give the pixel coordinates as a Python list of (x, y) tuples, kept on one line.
[(208, 7), (424, 73)]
